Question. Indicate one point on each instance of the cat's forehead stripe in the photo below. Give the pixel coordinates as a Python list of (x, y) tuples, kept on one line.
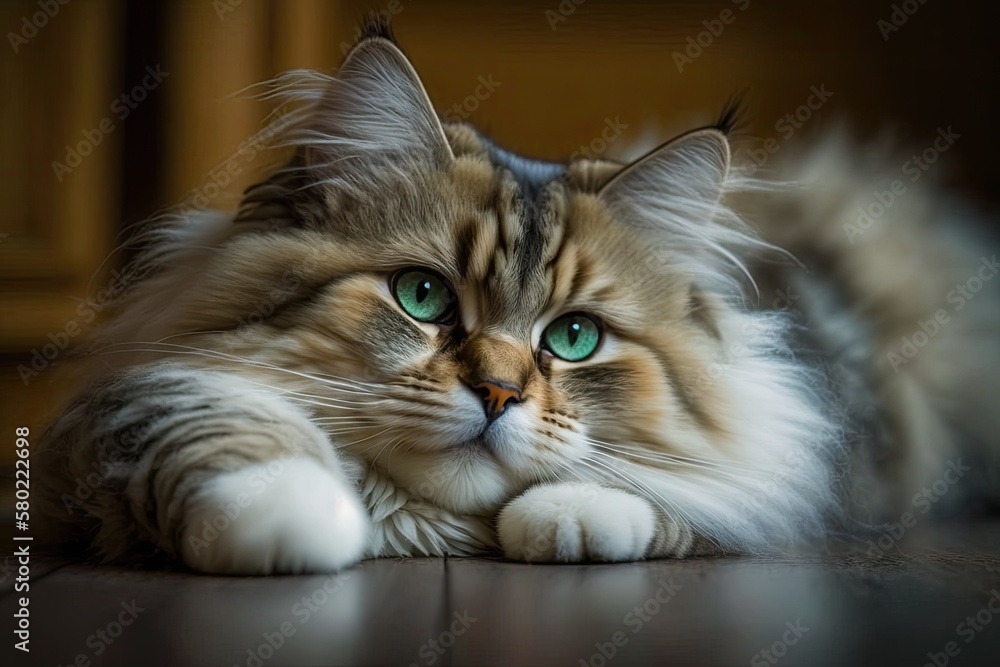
[(515, 276), (531, 175), (532, 178)]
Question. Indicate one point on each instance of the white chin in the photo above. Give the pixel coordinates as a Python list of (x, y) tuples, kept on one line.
[(468, 482)]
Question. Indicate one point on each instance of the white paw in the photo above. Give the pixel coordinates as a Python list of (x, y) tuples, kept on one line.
[(576, 522), (288, 516)]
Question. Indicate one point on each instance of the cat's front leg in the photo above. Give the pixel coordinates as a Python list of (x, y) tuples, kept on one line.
[(206, 466), (579, 521), (278, 500), (573, 522)]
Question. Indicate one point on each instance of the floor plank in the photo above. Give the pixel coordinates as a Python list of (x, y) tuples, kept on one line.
[(852, 608)]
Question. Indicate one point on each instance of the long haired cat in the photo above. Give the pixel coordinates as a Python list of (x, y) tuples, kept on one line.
[(409, 341)]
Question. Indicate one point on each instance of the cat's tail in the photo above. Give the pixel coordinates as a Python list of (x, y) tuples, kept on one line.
[(903, 282)]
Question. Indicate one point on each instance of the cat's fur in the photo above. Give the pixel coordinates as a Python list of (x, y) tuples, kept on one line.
[(259, 403)]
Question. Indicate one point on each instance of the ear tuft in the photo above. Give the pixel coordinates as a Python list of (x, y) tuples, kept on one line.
[(734, 115), (377, 26)]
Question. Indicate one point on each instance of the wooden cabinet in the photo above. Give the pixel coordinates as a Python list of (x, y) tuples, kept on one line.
[(59, 189), (58, 178)]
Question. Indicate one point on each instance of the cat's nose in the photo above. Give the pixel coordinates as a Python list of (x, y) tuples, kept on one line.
[(496, 396)]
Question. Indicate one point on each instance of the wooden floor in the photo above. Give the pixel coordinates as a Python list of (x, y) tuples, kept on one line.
[(929, 594)]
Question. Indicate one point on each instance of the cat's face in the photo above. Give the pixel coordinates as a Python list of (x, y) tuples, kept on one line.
[(475, 322)]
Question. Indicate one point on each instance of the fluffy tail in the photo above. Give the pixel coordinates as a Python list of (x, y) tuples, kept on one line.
[(901, 289)]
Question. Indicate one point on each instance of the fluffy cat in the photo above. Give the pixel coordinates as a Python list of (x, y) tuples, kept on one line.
[(409, 341)]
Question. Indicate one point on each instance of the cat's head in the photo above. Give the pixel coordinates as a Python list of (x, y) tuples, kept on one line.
[(469, 320)]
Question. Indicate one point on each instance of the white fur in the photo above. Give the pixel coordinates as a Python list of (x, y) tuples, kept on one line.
[(576, 522), (294, 516), (404, 524)]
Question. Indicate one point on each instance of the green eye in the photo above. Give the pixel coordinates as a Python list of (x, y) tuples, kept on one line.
[(423, 295), (572, 337)]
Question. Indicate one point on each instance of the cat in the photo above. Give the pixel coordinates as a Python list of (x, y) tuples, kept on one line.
[(410, 341)]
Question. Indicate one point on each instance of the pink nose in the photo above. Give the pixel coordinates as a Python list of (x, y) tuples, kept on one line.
[(496, 397)]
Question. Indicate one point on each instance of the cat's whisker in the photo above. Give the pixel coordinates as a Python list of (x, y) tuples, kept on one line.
[(277, 390), (387, 444), (565, 469), (649, 452), (324, 378), (638, 454), (356, 442), (344, 430), (638, 470), (328, 405), (331, 401), (654, 495), (388, 461), (646, 453), (358, 426), (286, 392)]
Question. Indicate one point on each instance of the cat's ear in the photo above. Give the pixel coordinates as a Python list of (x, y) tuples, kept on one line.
[(673, 197), (681, 177), (375, 110), (373, 118)]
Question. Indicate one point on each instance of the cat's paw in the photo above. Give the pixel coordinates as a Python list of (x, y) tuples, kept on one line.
[(576, 522), (284, 517)]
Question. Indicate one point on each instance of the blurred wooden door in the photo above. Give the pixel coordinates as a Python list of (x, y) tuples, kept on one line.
[(58, 188)]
